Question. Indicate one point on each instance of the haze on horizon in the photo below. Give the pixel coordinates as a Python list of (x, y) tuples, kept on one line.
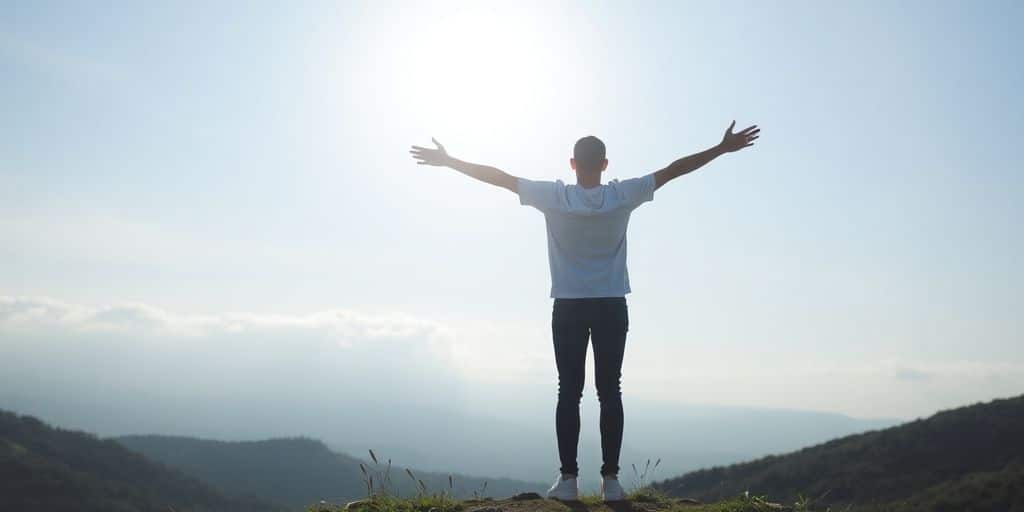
[(209, 204)]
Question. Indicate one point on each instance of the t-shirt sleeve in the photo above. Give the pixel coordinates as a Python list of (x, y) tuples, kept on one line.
[(540, 194), (636, 191)]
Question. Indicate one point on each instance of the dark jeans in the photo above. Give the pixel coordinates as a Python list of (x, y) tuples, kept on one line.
[(605, 321)]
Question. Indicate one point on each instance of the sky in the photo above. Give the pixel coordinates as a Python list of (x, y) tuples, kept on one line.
[(231, 183)]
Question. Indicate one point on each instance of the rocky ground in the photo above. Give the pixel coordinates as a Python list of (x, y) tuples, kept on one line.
[(533, 502)]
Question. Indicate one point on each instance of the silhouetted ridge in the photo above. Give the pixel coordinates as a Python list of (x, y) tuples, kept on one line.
[(52, 469), (920, 461)]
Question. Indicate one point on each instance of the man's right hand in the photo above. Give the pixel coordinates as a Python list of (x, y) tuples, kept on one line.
[(429, 156)]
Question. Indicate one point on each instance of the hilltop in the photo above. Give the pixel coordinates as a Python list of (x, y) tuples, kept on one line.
[(640, 500), (968, 458), (42, 467), (965, 459)]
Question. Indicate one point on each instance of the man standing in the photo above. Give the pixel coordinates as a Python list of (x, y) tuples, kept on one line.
[(586, 233)]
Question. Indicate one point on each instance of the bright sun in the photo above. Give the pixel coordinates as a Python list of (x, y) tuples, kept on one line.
[(473, 76), (476, 68)]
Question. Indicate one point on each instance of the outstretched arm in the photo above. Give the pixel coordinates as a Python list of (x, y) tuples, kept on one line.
[(484, 173), (730, 142)]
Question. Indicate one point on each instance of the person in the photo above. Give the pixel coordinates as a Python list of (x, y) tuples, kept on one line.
[(586, 239)]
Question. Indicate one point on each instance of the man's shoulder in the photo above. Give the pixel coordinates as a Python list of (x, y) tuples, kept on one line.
[(628, 181), (637, 189), (550, 183), (543, 194)]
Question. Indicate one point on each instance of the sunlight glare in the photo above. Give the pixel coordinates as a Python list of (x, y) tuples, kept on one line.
[(478, 71)]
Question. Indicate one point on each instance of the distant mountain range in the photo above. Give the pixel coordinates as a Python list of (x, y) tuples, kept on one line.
[(685, 436), (300, 471), (47, 468), (969, 458), (443, 439)]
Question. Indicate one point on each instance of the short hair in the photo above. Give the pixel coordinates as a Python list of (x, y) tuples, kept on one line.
[(589, 153)]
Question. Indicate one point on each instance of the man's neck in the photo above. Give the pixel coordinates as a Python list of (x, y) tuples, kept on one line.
[(588, 180)]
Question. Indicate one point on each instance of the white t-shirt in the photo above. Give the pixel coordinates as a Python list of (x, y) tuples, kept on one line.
[(587, 232)]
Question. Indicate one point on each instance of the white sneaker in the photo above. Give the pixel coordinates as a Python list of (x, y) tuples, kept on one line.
[(611, 490), (564, 489)]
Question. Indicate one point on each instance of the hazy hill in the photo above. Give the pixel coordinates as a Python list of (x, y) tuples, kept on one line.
[(297, 471), (972, 454), (44, 468), (450, 439)]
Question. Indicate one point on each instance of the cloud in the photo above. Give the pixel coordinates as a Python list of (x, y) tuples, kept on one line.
[(929, 371), (352, 356), (350, 341), (344, 327), (333, 373), (197, 370)]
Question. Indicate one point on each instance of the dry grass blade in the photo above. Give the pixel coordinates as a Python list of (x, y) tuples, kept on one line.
[(408, 472), (372, 456)]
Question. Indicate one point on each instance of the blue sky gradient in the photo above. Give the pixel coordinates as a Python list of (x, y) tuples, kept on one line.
[(204, 159)]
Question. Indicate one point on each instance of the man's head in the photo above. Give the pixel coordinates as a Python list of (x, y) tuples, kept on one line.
[(588, 156)]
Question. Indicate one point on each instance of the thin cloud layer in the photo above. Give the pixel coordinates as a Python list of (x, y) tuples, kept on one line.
[(52, 350), (155, 370), (28, 314)]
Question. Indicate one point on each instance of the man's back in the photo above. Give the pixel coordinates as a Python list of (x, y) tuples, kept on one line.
[(587, 232), (587, 252)]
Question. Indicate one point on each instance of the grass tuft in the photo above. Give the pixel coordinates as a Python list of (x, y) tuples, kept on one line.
[(389, 503), (649, 495)]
